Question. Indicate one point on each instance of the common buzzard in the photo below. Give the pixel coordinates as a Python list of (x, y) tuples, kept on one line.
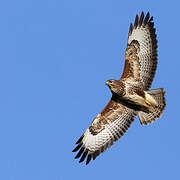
[(131, 96)]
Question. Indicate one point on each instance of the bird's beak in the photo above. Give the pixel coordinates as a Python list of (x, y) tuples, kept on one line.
[(107, 83)]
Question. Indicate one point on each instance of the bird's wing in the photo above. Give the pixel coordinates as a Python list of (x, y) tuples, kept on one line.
[(106, 128), (141, 54)]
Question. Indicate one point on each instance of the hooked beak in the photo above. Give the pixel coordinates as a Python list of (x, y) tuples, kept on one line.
[(107, 83)]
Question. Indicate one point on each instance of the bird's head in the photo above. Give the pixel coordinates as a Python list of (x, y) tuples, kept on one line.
[(110, 82), (113, 85)]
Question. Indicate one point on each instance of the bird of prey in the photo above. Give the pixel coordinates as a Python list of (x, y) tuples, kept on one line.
[(131, 95)]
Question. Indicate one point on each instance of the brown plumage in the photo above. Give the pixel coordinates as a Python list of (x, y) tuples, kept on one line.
[(130, 95)]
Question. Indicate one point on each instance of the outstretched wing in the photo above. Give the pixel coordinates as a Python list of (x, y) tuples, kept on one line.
[(141, 54), (106, 128)]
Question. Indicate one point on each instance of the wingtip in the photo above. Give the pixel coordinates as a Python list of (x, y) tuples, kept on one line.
[(146, 18), (130, 29), (151, 19), (83, 156), (80, 139), (76, 148), (136, 21), (141, 19), (79, 153), (88, 159), (142, 13)]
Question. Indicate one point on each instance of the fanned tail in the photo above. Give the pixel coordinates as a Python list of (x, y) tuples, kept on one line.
[(156, 111)]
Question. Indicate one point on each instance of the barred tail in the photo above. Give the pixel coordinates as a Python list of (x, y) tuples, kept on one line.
[(156, 111)]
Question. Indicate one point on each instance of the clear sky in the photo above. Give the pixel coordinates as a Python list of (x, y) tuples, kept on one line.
[(55, 56)]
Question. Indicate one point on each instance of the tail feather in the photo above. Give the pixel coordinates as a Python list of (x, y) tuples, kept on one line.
[(156, 111)]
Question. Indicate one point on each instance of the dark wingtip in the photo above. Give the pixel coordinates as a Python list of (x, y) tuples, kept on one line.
[(141, 19), (76, 148), (148, 14), (80, 139), (146, 18), (136, 21), (79, 153), (130, 29), (88, 159), (83, 156), (151, 19)]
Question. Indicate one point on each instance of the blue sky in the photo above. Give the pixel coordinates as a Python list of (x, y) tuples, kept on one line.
[(54, 61)]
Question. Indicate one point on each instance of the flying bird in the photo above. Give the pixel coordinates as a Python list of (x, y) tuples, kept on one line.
[(131, 95)]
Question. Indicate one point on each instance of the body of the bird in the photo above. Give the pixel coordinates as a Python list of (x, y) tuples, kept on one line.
[(131, 95)]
